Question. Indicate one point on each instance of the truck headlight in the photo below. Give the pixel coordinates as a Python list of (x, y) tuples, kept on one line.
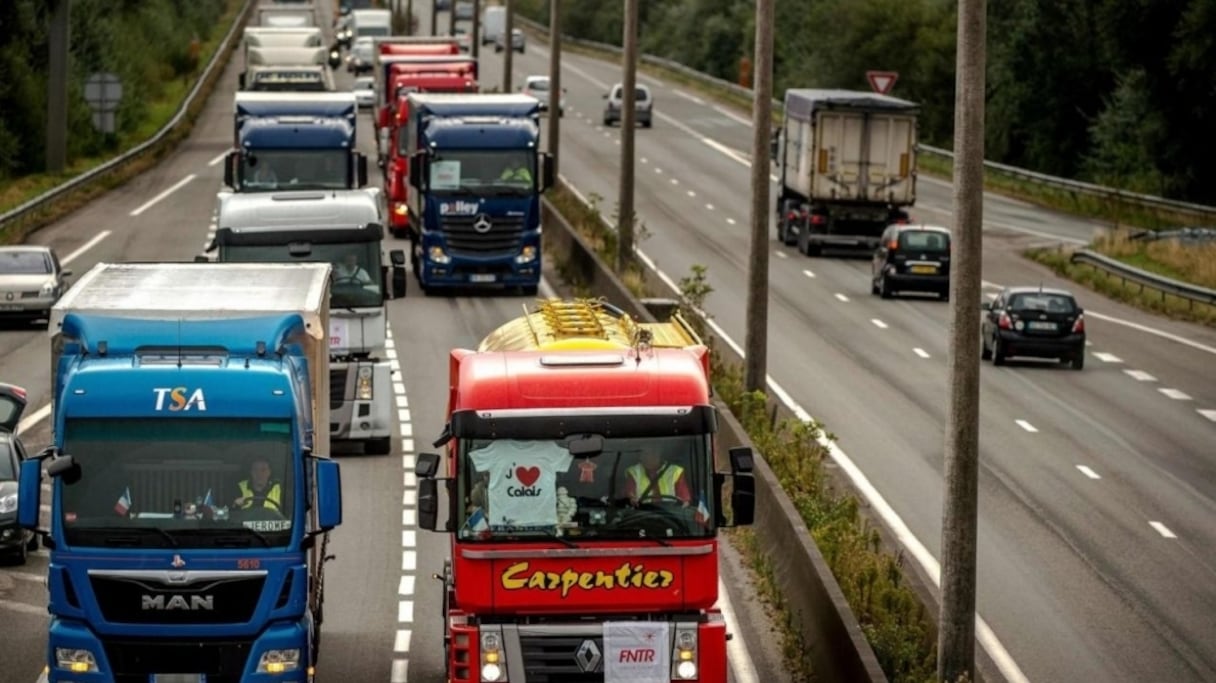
[(363, 387), (437, 255), (491, 657), (526, 255), (685, 655), (401, 208), (76, 661), (279, 661), (8, 503)]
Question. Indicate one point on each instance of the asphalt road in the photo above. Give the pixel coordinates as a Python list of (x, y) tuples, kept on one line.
[(1097, 556), (383, 618)]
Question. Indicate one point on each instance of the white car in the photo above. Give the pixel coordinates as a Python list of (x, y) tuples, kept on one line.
[(538, 87), (365, 91)]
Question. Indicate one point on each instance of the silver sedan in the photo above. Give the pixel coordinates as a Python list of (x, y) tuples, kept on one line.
[(31, 281)]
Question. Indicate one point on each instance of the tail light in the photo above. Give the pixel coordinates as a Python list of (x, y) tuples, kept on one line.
[(1079, 326), (793, 216), (818, 219), (893, 245), (1004, 323)]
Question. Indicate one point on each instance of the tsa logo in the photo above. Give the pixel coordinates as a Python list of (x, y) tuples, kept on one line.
[(177, 399), (459, 208)]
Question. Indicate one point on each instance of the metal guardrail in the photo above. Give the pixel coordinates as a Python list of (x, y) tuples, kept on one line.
[(1203, 212), (83, 180), (1126, 273)]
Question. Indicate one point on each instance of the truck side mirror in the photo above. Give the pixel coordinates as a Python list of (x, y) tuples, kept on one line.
[(743, 500), (240, 80), (398, 258), (416, 171), (546, 174), (329, 494), (28, 492), (230, 164), (361, 170), (742, 460)]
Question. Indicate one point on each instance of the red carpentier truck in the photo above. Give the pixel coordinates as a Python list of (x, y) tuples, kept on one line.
[(404, 66), (583, 502)]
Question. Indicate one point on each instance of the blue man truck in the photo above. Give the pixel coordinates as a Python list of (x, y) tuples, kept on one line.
[(295, 141), (191, 492), (477, 173)]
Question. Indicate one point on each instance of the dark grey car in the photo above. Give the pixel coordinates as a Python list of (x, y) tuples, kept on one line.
[(15, 542), (1033, 322)]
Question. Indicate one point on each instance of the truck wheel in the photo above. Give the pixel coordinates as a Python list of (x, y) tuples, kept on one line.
[(380, 446)]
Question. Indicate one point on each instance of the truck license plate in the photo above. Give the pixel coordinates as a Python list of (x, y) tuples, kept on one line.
[(178, 678), (481, 277)]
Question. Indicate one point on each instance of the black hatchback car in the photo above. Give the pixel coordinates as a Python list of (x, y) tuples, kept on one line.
[(15, 542), (912, 258), (1034, 322)]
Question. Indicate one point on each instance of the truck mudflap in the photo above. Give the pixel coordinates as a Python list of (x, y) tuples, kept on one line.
[(560, 651), (361, 404)]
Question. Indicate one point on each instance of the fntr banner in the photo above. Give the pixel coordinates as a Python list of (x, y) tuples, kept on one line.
[(637, 652)]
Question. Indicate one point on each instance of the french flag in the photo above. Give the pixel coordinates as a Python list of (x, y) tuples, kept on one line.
[(478, 523), (702, 514), (124, 502)]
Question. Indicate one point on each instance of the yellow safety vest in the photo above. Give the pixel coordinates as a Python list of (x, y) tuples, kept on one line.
[(517, 174), (274, 494), (666, 485)]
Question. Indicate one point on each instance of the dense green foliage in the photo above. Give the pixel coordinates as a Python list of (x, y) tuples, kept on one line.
[(145, 42), (1113, 91)]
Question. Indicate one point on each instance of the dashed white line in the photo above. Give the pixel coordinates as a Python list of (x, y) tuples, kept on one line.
[(808, 274), (1175, 394), (686, 96), (403, 414), (409, 518), (409, 498), (842, 297), (1208, 413), (674, 181), (406, 586), (405, 612), (730, 221), (218, 159), (400, 672), (22, 608), (402, 642), (732, 115), (1107, 357), (1088, 472), (709, 207), (878, 323), (1140, 376), (409, 538), (409, 560), (398, 387), (78, 251), (658, 170), (402, 401), (644, 160), (920, 352), (1162, 529), (781, 254), (153, 201), (691, 193), (34, 418), (1026, 425)]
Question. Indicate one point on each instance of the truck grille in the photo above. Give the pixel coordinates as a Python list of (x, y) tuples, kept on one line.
[(231, 601), (555, 659), (503, 237), (337, 387), (221, 661)]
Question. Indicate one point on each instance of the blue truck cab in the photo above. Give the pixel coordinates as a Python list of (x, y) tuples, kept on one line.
[(476, 173), (295, 141), (191, 497)]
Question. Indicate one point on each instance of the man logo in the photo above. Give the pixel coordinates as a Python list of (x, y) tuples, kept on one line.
[(177, 399), (191, 603), (482, 224)]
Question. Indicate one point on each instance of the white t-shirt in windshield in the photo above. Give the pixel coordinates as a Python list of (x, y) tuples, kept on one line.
[(523, 481)]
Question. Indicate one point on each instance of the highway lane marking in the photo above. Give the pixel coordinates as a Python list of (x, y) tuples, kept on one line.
[(1175, 394), (402, 642), (22, 608), (400, 672), (1162, 529), (781, 254), (920, 352), (31, 578), (406, 586), (218, 159), (84, 247), (709, 207), (390, 353), (1107, 357), (808, 274), (402, 401), (409, 519), (34, 418), (984, 633), (674, 181), (644, 160), (657, 169), (1208, 413), (1140, 376), (1088, 472), (692, 193), (878, 323), (730, 221), (732, 115), (405, 611), (409, 560), (1026, 425), (740, 662), (842, 297), (686, 96), (153, 201), (409, 538)]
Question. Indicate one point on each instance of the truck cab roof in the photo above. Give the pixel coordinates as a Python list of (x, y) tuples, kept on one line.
[(288, 132), (350, 215), (459, 104), (800, 102), (482, 133)]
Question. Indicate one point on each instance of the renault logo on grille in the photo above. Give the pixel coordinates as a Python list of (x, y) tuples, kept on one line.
[(587, 656), (482, 223)]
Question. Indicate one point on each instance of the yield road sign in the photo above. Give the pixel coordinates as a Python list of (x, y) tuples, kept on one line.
[(882, 81)]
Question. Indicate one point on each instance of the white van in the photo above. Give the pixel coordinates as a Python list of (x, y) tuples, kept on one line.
[(493, 23)]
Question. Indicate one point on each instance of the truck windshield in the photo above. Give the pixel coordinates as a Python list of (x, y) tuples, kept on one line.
[(655, 487), (492, 172), (174, 482), (279, 169), (356, 273)]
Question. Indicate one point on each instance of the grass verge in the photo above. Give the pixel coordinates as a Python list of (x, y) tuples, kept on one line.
[(161, 111), (896, 623), (1196, 265), (1118, 213)]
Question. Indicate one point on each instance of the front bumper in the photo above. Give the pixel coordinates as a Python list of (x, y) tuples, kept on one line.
[(23, 304), (353, 418), (481, 274), (221, 660), (1017, 344), (12, 537)]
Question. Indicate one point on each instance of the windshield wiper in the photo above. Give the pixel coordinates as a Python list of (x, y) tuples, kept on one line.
[(560, 539), (233, 536), (128, 536)]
